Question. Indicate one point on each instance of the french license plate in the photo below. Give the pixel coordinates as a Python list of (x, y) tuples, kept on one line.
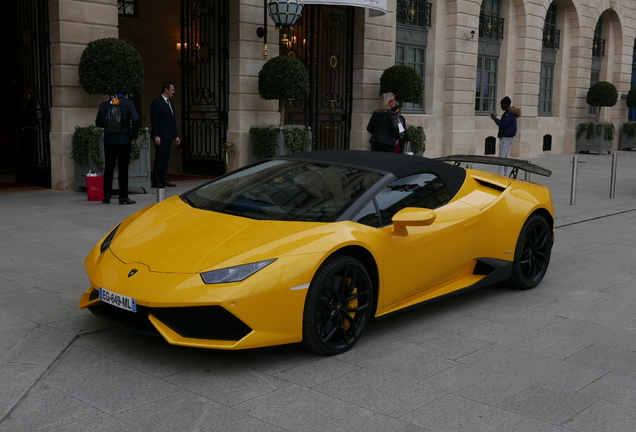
[(128, 303)]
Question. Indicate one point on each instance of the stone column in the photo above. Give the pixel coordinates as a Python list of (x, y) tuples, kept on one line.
[(73, 25), (459, 121), (246, 107), (374, 51)]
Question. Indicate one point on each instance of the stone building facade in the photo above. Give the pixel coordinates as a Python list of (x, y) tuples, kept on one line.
[(464, 64)]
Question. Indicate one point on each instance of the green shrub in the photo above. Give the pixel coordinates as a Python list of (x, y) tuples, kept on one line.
[(264, 140), (283, 77), (297, 138), (591, 130), (108, 64), (85, 143), (631, 98), (404, 82), (629, 129), (86, 140), (417, 138), (135, 151), (602, 94)]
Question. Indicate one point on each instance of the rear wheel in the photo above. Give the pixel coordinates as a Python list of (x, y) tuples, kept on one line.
[(532, 253), (338, 307)]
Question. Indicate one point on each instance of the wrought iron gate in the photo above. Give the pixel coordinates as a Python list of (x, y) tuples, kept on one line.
[(204, 79), (30, 48), (323, 41)]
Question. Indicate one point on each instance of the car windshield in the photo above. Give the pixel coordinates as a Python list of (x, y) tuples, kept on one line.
[(285, 191)]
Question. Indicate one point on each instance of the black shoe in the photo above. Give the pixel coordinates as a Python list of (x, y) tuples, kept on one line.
[(168, 184), (106, 200), (157, 186), (126, 201)]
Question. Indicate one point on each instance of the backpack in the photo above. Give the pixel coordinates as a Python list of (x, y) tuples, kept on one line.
[(112, 124)]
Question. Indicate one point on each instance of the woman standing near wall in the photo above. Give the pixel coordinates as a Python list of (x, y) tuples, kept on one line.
[(383, 125)]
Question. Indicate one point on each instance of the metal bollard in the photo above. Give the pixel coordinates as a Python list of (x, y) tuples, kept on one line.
[(161, 194), (613, 175), (575, 168)]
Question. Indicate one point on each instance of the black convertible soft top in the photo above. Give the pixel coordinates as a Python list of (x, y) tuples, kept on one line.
[(399, 165)]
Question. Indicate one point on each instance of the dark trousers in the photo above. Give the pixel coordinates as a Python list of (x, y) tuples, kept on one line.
[(381, 147), (116, 154), (162, 157)]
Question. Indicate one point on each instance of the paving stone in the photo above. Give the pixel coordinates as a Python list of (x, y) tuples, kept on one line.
[(190, 412), (455, 414), (604, 416), (368, 388), (548, 404), (613, 388), (478, 384), (290, 409), (531, 367)]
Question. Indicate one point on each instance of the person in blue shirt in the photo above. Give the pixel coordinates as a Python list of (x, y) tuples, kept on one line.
[(507, 130)]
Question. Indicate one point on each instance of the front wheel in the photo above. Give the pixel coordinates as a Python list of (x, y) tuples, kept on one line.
[(338, 307), (532, 253)]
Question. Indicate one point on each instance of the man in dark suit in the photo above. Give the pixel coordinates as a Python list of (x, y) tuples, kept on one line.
[(118, 144), (164, 130)]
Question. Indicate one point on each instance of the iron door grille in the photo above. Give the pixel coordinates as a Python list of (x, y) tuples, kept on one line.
[(204, 77), (323, 41)]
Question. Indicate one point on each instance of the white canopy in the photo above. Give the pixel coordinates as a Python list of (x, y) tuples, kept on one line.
[(378, 6)]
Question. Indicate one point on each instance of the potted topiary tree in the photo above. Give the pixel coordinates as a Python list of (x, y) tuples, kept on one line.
[(597, 136), (283, 78), (106, 66), (628, 132), (404, 82)]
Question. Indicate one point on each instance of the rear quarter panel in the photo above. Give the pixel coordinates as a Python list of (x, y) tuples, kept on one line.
[(505, 215)]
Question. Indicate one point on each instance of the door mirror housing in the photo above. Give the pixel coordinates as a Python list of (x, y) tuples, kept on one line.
[(412, 216)]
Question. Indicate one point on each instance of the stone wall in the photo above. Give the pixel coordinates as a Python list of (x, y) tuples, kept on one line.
[(449, 120)]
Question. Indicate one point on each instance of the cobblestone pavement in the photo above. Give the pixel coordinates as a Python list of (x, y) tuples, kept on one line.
[(561, 357)]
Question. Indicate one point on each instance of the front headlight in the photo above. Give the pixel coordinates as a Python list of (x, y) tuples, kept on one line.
[(234, 274), (109, 238)]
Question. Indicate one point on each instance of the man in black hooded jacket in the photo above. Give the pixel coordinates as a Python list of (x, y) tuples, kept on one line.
[(118, 146)]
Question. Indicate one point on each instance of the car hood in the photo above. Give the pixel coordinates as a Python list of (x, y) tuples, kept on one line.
[(173, 237)]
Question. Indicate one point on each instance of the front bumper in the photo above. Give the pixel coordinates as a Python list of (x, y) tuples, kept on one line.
[(265, 309)]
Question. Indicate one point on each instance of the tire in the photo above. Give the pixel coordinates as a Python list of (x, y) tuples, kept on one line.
[(338, 306), (532, 253)]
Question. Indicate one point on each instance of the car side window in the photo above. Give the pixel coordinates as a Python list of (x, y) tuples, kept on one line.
[(368, 215), (424, 190)]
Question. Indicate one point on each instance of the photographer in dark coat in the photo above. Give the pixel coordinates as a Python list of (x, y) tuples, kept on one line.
[(118, 145)]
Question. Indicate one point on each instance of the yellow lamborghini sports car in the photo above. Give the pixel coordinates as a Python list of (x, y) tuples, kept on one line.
[(309, 247)]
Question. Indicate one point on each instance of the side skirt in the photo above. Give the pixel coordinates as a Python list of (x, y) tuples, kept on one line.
[(496, 271)]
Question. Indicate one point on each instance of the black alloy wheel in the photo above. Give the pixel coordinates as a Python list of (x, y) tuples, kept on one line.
[(338, 306), (532, 253)]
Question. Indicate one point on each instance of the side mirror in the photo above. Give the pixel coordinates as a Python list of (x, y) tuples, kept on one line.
[(412, 216)]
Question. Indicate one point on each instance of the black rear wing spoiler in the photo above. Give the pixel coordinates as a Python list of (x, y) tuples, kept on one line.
[(516, 164)]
